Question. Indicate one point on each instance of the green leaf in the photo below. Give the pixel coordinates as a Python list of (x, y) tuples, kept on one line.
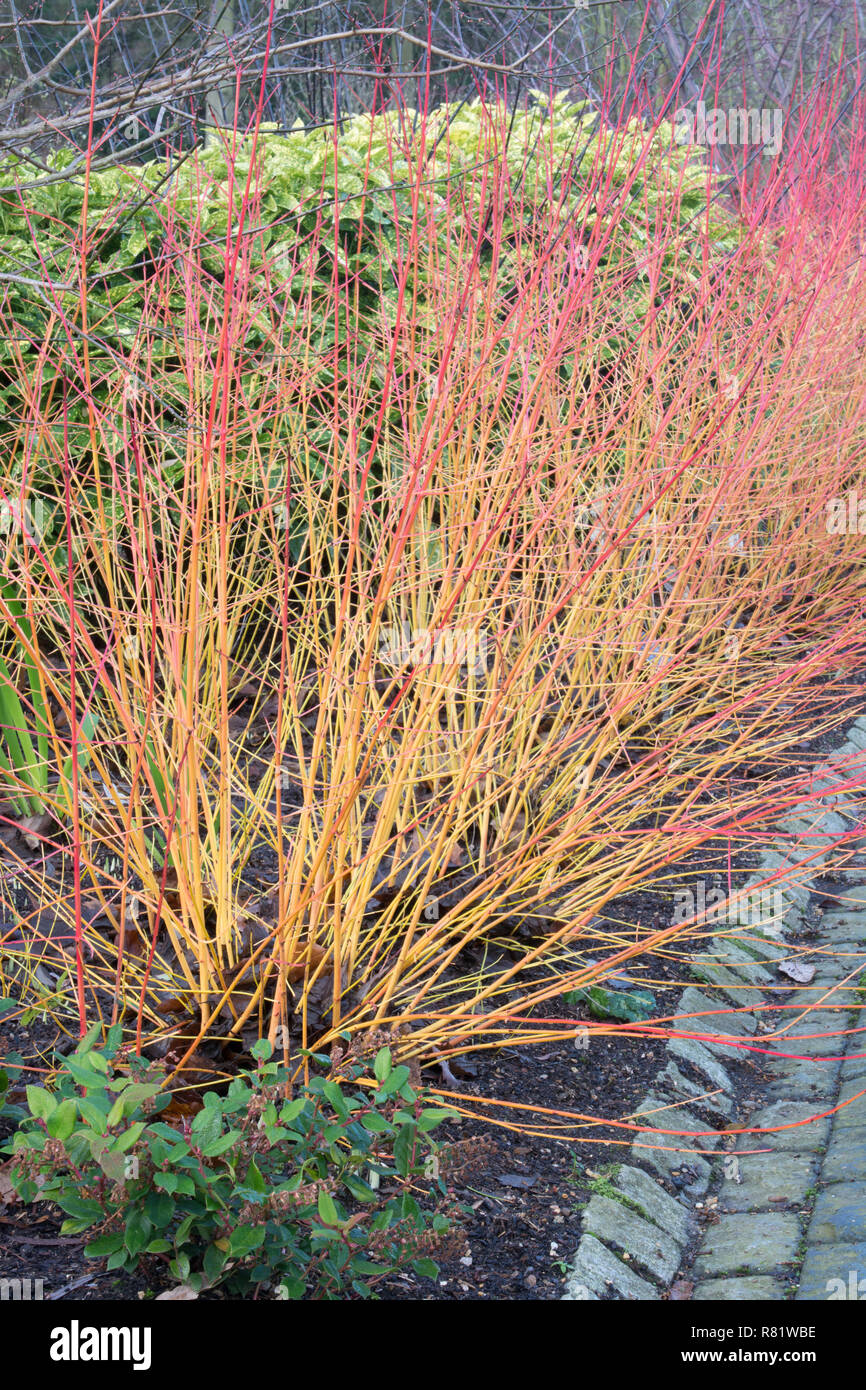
[(130, 1098), (62, 1122), (362, 1266), (183, 1230), (219, 1146), (96, 1059), (115, 1114), (213, 1262), (206, 1127), (360, 1190), (84, 1075), (80, 1208), (409, 1207), (327, 1210), (41, 1102), (138, 1232), (291, 1110), (292, 1288), (93, 1112), (336, 1097), (74, 1228), (126, 1140), (376, 1124), (426, 1268), (382, 1064), (105, 1245), (393, 1082), (631, 1006), (254, 1179), (429, 1119), (244, 1239), (159, 1208), (404, 1147)]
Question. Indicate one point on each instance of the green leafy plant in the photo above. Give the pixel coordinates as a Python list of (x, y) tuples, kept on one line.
[(332, 211), (313, 1195), (25, 723), (631, 1006), (10, 1065), (23, 760)]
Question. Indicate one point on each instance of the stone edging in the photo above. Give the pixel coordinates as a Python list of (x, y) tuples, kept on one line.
[(644, 1220)]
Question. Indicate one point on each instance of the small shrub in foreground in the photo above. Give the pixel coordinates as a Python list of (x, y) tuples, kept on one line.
[(311, 1195)]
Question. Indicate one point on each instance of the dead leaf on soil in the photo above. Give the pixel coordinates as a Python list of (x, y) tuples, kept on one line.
[(34, 829), (180, 1291), (314, 955), (8, 1195)]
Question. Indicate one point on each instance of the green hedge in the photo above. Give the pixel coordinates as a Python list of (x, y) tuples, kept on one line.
[(374, 165)]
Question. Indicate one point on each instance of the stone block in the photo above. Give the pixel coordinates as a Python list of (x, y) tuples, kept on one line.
[(596, 1274), (748, 1242)]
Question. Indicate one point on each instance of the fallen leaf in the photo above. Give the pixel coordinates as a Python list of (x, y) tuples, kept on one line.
[(7, 1191), (179, 1291), (796, 970), (35, 828), (181, 1109), (296, 970), (681, 1290), (464, 1066), (172, 1005)]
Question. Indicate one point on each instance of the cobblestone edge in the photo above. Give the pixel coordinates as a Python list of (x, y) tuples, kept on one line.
[(636, 1240)]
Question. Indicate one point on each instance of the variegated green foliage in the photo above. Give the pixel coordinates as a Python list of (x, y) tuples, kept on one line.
[(328, 211)]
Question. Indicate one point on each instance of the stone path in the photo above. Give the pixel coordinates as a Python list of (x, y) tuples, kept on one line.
[(789, 1222), (817, 1170)]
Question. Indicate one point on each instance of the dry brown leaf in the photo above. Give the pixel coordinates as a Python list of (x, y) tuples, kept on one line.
[(681, 1291), (34, 829), (179, 1291), (313, 957), (797, 971), (8, 1195)]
